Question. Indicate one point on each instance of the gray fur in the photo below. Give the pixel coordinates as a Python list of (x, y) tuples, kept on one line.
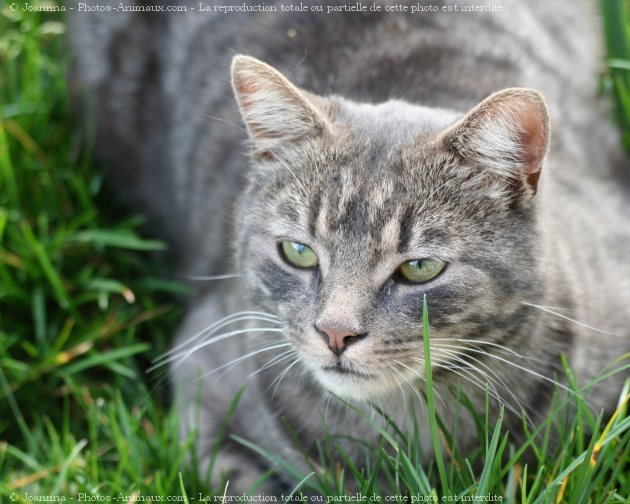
[(381, 155)]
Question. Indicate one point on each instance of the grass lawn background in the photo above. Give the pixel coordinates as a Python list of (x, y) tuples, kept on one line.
[(86, 303)]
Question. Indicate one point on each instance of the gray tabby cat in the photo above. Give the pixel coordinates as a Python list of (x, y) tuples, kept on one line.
[(392, 157)]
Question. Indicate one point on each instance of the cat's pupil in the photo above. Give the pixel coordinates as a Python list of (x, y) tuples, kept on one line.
[(298, 247)]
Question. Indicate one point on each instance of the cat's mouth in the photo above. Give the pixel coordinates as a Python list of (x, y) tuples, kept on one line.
[(342, 369), (348, 383)]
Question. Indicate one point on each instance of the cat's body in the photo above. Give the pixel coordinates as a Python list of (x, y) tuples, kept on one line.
[(366, 186)]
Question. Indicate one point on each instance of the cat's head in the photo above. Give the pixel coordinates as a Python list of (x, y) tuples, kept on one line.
[(355, 212)]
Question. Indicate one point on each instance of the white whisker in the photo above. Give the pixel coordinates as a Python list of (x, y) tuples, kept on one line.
[(522, 368), (279, 378), (240, 359), (220, 324), (422, 378), (215, 277), (230, 319), (398, 382), (182, 356), (489, 388), (488, 343), (402, 382), (577, 322), (275, 360), (489, 375), (488, 379), (225, 122)]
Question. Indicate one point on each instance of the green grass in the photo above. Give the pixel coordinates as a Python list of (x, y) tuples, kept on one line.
[(617, 32), (589, 464), (83, 311)]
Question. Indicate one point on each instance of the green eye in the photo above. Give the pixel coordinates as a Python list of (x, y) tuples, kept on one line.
[(299, 255), (421, 270)]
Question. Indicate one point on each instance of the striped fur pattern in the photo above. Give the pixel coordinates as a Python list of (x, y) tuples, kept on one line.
[(366, 208), (374, 139)]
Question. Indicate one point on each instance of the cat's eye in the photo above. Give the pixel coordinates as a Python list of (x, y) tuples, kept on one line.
[(299, 255), (421, 270)]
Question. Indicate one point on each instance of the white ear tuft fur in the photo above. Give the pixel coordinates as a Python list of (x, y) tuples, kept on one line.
[(274, 110), (507, 134)]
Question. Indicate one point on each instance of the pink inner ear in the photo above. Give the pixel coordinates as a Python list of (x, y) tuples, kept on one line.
[(532, 138), (533, 141), (506, 135), (246, 86), (275, 112)]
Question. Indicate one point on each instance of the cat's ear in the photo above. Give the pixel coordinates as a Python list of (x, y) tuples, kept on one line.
[(275, 112), (507, 135)]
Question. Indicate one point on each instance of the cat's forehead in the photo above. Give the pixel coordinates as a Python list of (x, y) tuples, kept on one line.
[(377, 205), (390, 124), (383, 161), (373, 186), (368, 204)]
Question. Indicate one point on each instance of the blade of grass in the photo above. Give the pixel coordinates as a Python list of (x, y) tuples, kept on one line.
[(104, 357), (298, 486), (7, 173), (61, 478), (46, 264), (181, 486), (117, 238), (433, 424)]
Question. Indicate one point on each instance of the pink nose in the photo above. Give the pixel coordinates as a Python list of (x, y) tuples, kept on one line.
[(338, 339)]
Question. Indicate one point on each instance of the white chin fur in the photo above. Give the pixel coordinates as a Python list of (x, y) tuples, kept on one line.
[(353, 387)]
